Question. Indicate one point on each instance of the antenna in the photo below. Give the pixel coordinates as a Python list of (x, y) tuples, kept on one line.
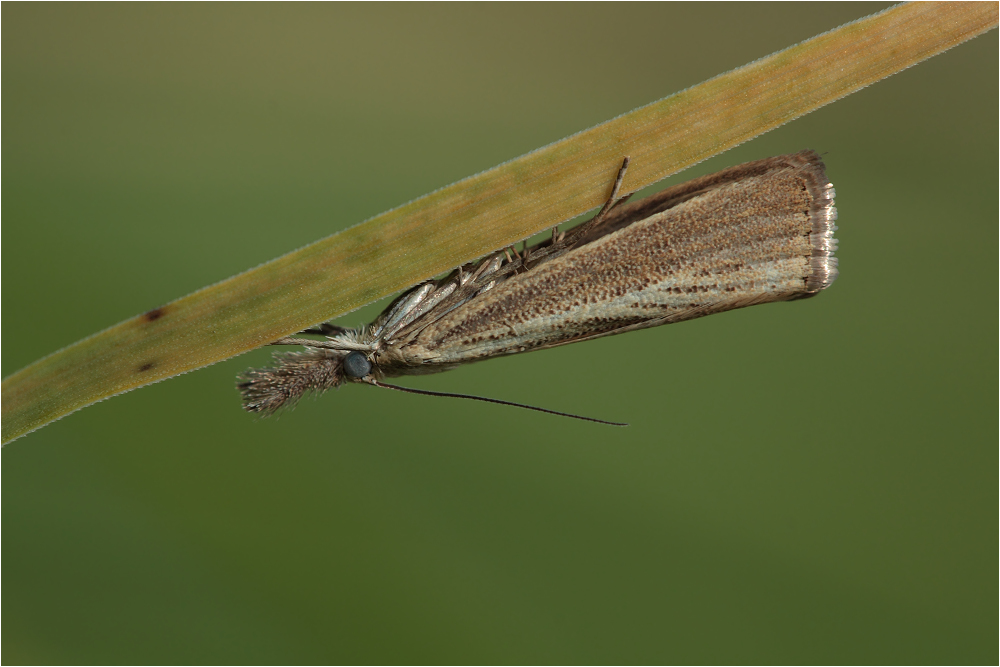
[(491, 400)]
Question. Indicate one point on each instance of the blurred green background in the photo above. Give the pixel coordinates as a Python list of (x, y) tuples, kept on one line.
[(813, 482)]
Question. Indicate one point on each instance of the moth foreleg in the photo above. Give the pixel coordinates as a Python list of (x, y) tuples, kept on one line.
[(335, 344), (324, 329), (488, 266), (613, 199)]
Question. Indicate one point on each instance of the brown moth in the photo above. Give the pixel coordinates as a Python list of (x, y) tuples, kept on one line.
[(754, 233)]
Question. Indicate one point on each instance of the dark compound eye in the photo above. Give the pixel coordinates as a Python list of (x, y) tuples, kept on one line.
[(356, 365)]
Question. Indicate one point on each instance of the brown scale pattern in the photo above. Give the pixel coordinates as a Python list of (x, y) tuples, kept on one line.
[(733, 243)]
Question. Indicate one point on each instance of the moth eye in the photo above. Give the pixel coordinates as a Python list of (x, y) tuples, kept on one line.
[(356, 365)]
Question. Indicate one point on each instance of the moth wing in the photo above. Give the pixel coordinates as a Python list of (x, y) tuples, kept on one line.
[(752, 234)]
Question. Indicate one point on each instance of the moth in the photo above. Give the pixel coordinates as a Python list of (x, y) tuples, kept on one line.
[(751, 234)]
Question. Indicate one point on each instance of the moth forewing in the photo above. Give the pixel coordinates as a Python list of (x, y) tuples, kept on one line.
[(751, 234)]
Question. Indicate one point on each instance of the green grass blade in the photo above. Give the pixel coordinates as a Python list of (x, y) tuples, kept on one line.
[(479, 214)]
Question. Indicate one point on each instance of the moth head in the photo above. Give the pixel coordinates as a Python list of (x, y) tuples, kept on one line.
[(357, 366)]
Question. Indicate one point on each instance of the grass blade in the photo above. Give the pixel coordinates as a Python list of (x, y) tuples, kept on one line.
[(481, 213)]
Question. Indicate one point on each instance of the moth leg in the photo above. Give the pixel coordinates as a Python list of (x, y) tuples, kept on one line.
[(524, 264), (491, 265), (325, 344), (613, 199), (291, 340), (325, 329)]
